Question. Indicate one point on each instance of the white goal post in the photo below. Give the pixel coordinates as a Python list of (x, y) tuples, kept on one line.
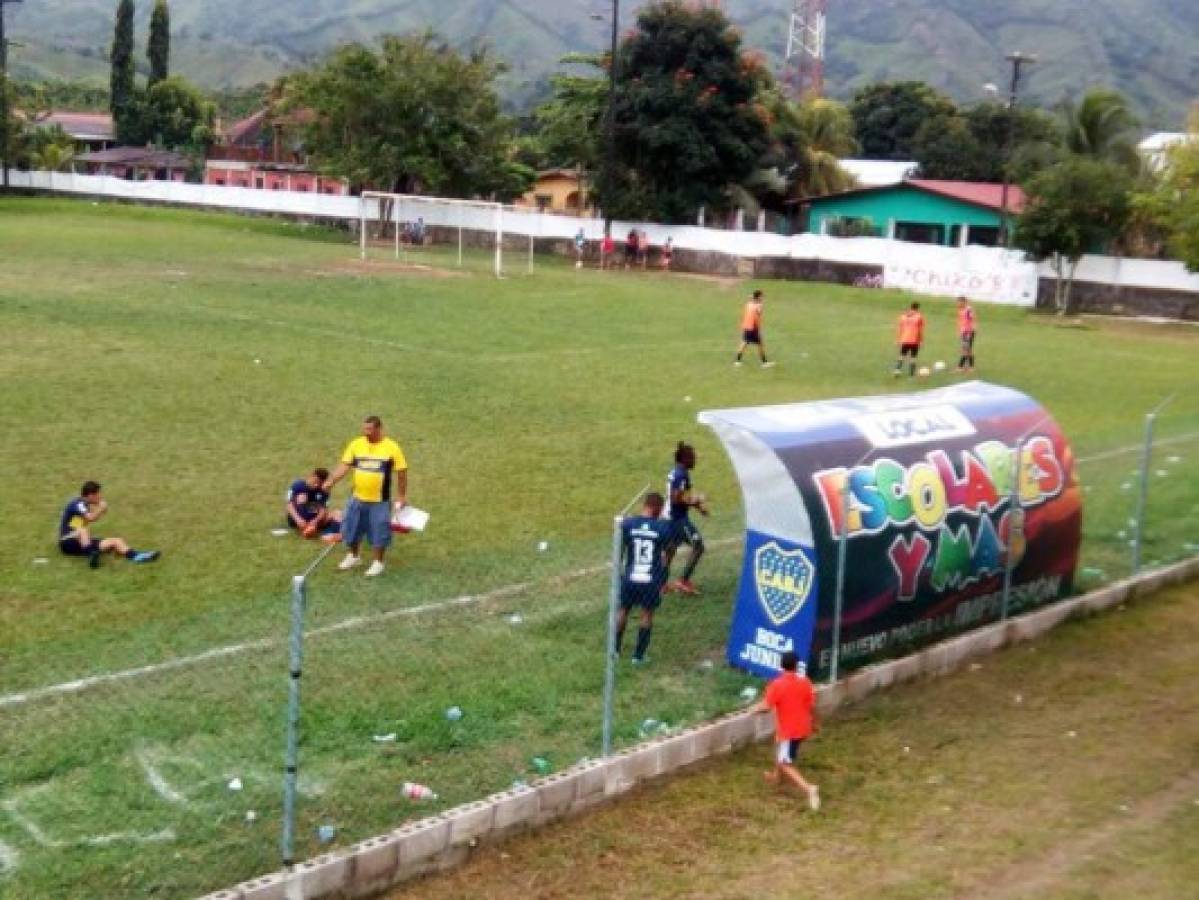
[(409, 216)]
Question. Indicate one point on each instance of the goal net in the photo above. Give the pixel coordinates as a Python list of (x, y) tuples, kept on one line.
[(406, 226)]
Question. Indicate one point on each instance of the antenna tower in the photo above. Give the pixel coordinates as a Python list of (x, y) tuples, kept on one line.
[(804, 62)]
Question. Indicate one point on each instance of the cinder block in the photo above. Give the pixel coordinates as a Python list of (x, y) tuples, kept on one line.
[(1151, 583), (422, 841), (1104, 598), (906, 668), (678, 752), (373, 865), (719, 737), (763, 727), (556, 794), (515, 809), (232, 893), (268, 887), (741, 728), (640, 763), (592, 783), (470, 822), (861, 684), (321, 876), (830, 696)]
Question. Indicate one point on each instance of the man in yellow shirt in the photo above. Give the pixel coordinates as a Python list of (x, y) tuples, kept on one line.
[(373, 459)]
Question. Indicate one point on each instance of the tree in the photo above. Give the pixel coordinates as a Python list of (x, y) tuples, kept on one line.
[(174, 114), (1101, 126), (570, 123), (945, 148), (972, 144), (414, 116), (1169, 208), (688, 121), (159, 47), (888, 115), (51, 150), (121, 97), (1077, 206)]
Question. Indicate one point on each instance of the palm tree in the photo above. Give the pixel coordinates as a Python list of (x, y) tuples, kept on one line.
[(1101, 126), (825, 131), (53, 157)]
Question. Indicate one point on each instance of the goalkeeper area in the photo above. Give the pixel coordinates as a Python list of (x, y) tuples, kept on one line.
[(196, 364)]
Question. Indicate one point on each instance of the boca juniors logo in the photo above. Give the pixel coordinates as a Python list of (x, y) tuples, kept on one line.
[(784, 579)]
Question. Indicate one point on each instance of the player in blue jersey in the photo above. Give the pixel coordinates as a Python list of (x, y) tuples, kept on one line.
[(307, 507), (643, 571), (75, 536), (682, 529)]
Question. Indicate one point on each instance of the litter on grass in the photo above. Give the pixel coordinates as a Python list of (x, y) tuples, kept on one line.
[(326, 833), (454, 713), (279, 532), (748, 693), (388, 738), (514, 619), (235, 784)]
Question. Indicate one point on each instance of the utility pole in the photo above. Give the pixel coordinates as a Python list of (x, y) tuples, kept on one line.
[(1018, 61), (5, 112), (610, 153)]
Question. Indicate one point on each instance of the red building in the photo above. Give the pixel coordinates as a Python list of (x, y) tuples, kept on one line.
[(264, 152), (135, 164)]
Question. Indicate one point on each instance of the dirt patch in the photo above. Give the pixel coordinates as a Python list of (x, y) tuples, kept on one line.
[(725, 282), (384, 267)]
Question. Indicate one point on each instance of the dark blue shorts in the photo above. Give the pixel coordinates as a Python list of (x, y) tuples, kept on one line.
[(647, 596), (367, 520), (683, 531), (72, 547), (751, 336)]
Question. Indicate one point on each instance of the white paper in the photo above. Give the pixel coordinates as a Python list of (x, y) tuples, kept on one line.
[(411, 518)]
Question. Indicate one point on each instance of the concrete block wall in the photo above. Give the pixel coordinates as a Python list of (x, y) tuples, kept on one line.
[(445, 840)]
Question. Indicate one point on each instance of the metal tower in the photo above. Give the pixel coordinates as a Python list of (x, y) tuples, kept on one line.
[(804, 61)]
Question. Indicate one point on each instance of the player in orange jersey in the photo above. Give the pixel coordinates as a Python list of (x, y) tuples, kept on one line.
[(966, 335), (751, 329), (911, 336)]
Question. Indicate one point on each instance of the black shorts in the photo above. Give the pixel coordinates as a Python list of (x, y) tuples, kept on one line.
[(751, 336), (71, 546), (967, 341), (647, 596), (912, 350), (683, 531)]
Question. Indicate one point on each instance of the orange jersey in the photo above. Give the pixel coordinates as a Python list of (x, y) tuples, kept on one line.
[(751, 319), (911, 327), (792, 698), (966, 319)]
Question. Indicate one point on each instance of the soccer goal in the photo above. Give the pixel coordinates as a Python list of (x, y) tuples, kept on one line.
[(408, 224)]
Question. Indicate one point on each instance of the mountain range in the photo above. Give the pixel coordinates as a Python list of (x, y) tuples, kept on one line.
[(1148, 49)]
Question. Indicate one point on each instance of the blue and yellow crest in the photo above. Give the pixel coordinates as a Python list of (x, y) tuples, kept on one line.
[(784, 579)]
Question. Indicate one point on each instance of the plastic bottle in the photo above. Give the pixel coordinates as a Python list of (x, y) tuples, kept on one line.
[(410, 790), (541, 765), (454, 713)]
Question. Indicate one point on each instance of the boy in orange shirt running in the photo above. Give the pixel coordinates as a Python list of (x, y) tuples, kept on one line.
[(911, 336), (793, 701), (751, 330)]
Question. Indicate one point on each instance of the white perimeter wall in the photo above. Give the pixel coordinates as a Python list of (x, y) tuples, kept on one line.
[(981, 273)]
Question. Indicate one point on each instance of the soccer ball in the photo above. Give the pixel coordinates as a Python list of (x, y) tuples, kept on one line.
[(939, 366), (924, 372), (578, 263)]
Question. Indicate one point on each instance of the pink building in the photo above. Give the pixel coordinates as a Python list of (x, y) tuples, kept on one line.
[(264, 152)]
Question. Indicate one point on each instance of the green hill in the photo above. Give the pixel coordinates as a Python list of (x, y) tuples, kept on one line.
[(1146, 48)]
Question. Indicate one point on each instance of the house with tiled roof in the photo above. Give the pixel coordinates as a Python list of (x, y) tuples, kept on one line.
[(89, 130), (949, 213), (265, 151)]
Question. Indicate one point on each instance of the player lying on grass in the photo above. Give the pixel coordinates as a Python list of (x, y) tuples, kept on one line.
[(307, 508), (642, 571), (793, 701), (75, 536)]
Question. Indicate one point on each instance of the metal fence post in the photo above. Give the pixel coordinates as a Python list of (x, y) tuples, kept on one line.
[(838, 605), (1142, 493), (610, 662), (291, 760), (1015, 526)]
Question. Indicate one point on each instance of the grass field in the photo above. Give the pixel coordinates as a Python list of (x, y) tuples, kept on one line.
[(1088, 787), (530, 409)]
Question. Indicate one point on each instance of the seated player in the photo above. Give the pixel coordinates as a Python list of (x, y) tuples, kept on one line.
[(75, 536), (307, 507), (643, 571)]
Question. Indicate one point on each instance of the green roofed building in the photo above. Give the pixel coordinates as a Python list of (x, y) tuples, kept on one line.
[(948, 213)]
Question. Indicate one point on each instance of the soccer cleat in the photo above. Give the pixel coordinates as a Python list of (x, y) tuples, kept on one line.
[(349, 562), (93, 560), (896, 373), (145, 556), (737, 364), (768, 365), (814, 798), (638, 661), (375, 568), (683, 586)]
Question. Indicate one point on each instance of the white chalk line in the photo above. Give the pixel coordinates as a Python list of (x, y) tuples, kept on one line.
[(1133, 448), (82, 684)]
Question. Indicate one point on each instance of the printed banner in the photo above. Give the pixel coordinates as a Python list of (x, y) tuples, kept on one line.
[(930, 479)]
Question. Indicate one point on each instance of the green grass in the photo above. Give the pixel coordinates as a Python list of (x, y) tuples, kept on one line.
[(530, 409), (1086, 788)]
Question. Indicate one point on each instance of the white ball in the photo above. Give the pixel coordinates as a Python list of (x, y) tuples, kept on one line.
[(924, 372), (939, 366), (542, 546)]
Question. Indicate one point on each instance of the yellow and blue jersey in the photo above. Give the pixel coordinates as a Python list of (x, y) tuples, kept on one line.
[(373, 465), (74, 517)]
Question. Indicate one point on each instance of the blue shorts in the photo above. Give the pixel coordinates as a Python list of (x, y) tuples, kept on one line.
[(683, 531), (751, 336), (72, 547), (647, 596), (367, 520)]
